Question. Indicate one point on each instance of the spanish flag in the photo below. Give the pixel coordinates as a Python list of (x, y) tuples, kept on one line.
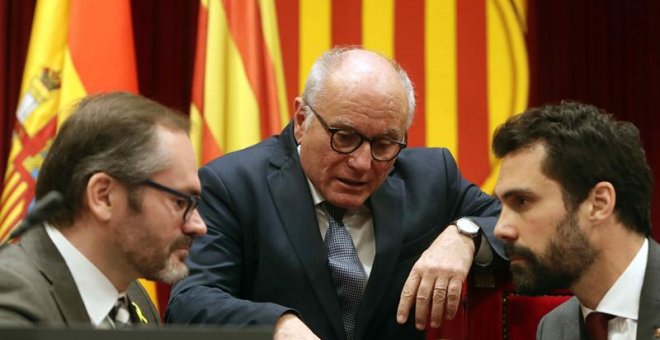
[(77, 47)]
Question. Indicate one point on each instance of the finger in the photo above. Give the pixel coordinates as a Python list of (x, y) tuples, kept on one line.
[(453, 298), (423, 303), (438, 305), (408, 294)]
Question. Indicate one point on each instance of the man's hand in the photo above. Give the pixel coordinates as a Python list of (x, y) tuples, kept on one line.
[(288, 326), (436, 279)]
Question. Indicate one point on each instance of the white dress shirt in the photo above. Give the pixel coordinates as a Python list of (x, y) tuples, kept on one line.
[(97, 292), (359, 224), (622, 300)]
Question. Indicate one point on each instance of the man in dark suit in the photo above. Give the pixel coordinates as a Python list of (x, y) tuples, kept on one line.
[(576, 195), (269, 257), (127, 172)]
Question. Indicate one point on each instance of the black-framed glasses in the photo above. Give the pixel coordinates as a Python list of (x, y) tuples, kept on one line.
[(189, 202), (346, 141)]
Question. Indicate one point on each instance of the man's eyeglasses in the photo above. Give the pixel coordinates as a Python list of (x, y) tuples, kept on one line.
[(346, 141), (189, 202)]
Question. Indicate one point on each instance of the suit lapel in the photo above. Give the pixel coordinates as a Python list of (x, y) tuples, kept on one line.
[(387, 210), (288, 187), (649, 302), (141, 308), (51, 264)]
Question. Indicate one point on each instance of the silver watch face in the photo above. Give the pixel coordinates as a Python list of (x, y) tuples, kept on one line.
[(466, 226)]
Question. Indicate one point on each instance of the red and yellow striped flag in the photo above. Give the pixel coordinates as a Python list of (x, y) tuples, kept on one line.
[(238, 84), (77, 47), (467, 60)]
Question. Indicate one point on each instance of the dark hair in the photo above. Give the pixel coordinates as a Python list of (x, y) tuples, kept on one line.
[(114, 133), (585, 145)]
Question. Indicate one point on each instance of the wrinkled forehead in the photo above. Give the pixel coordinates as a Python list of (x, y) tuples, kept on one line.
[(369, 87)]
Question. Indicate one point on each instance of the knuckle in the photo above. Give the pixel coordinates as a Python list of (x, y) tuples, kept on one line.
[(439, 297), (407, 292), (453, 299)]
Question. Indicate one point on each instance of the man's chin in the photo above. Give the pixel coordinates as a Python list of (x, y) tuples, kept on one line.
[(526, 283), (173, 271), (347, 201)]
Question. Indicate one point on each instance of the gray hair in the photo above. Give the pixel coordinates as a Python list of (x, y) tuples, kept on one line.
[(330, 61)]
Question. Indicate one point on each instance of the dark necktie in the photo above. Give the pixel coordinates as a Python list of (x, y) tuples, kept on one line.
[(596, 323), (119, 313), (347, 271)]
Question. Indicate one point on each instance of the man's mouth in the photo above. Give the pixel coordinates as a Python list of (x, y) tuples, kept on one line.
[(351, 183)]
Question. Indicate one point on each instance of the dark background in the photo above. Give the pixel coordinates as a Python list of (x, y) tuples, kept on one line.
[(604, 52)]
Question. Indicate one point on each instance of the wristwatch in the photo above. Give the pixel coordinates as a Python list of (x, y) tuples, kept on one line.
[(470, 228)]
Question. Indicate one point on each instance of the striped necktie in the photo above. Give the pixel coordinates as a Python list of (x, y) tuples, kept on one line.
[(119, 314)]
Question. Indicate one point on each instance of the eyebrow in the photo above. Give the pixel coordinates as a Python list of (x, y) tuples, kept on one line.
[(514, 192), (390, 133)]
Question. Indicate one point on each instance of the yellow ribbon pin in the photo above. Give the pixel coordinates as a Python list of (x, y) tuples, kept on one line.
[(138, 311)]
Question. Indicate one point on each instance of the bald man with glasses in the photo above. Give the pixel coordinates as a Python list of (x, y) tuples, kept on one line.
[(127, 172), (334, 229)]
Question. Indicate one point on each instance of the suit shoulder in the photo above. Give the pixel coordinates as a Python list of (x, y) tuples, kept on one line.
[(570, 309), (563, 319), (16, 262), (24, 291), (425, 162), (250, 157), (424, 152)]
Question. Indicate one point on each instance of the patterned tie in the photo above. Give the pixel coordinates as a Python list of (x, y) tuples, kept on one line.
[(119, 313), (596, 323), (347, 271)]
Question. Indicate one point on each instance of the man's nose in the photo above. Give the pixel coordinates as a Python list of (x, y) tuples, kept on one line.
[(504, 229), (195, 225), (361, 157)]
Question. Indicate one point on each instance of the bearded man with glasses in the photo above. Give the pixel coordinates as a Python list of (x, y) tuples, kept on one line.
[(126, 170), (334, 229)]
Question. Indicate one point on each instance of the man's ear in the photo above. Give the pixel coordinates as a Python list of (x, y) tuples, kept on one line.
[(298, 118), (603, 200), (99, 195)]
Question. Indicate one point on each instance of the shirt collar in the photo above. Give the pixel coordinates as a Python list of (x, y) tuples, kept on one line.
[(97, 292), (622, 299)]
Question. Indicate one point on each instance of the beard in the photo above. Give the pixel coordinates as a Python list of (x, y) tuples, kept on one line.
[(172, 273), (140, 246), (567, 255), (174, 270), (167, 267)]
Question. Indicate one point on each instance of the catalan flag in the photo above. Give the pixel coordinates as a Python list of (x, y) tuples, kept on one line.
[(466, 58), (238, 83)]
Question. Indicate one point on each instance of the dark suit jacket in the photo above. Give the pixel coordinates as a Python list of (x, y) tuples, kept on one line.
[(36, 286), (566, 321), (264, 255)]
